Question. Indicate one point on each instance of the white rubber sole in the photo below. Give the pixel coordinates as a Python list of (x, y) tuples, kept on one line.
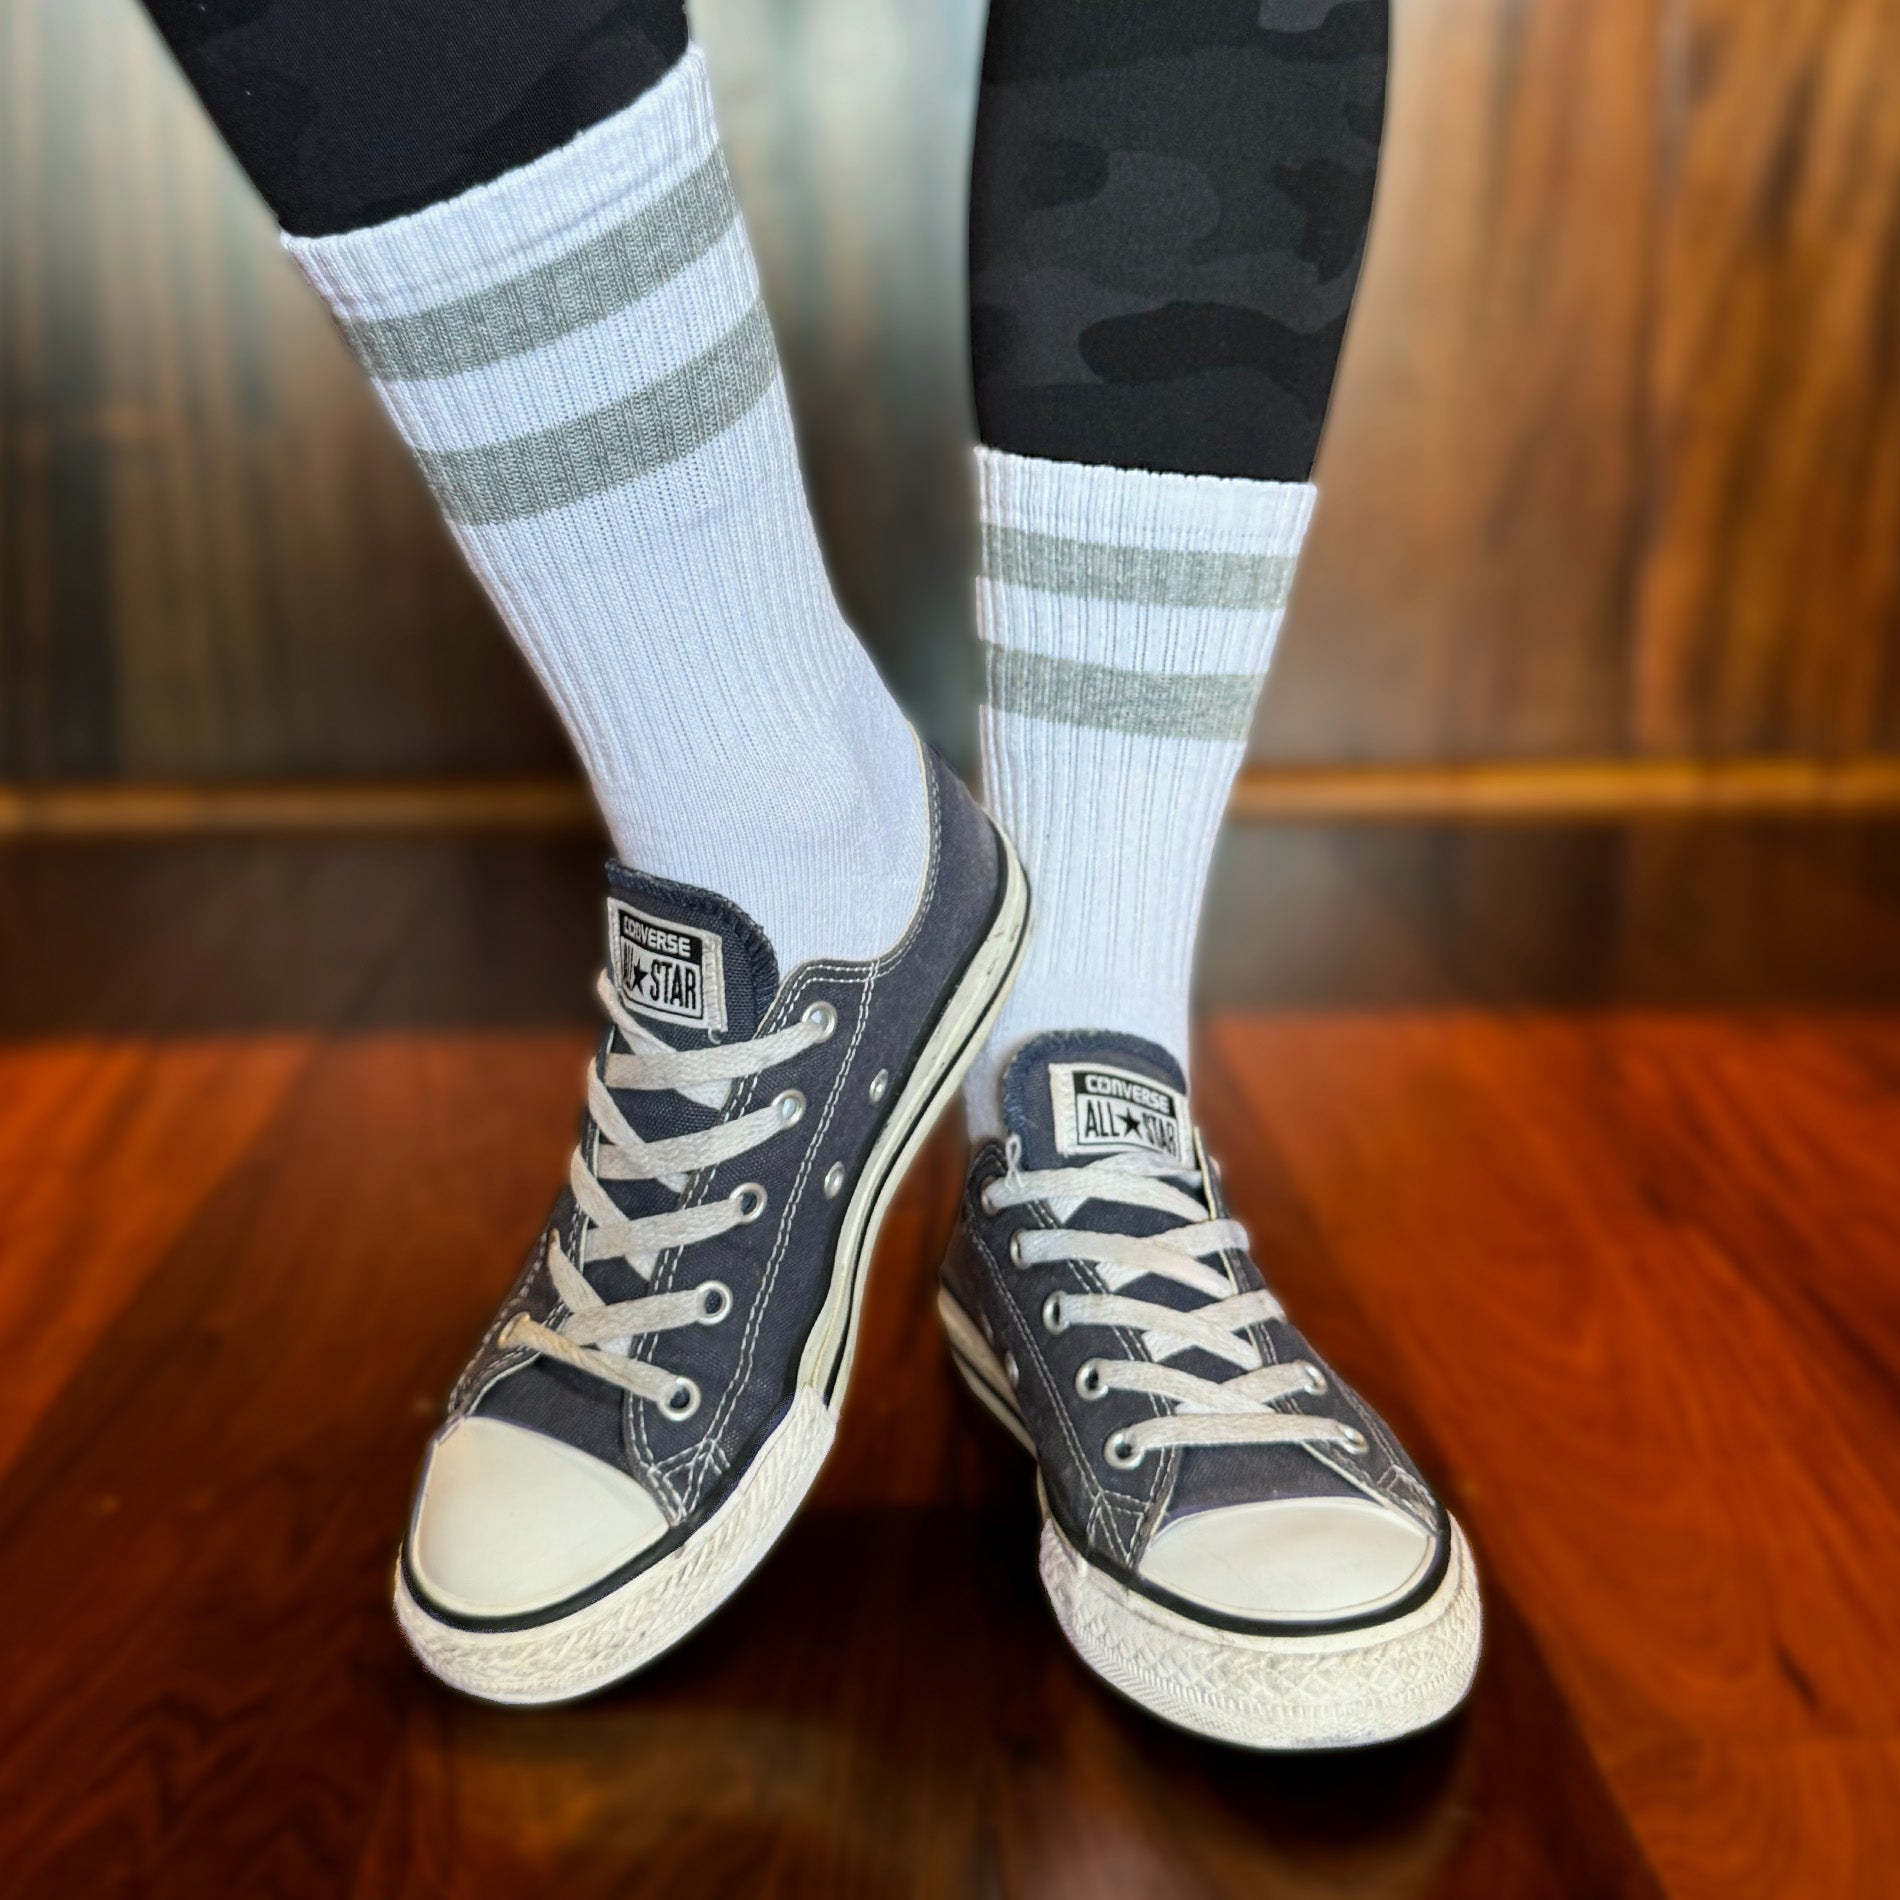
[(1333, 1689), (614, 1636)]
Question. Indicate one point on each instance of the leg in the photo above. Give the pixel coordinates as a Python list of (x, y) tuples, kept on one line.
[(520, 214), (1168, 211), (519, 211)]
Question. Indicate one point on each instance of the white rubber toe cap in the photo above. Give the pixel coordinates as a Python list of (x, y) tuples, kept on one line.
[(1296, 1559), (509, 1521)]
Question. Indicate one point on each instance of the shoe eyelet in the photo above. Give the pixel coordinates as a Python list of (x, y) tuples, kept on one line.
[(984, 1202), (790, 1106), (823, 1018), (834, 1180), (715, 1302), (1316, 1380), (1053, 1320), (749, 1201), (682, 1401), (1016, 1249), (1121, 1451), (1089, 1383), (1012, 1371), (1352, 1440), (880, 1085)]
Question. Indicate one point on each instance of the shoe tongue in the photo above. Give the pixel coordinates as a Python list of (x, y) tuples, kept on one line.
[(689, 963), (1076, 1095)]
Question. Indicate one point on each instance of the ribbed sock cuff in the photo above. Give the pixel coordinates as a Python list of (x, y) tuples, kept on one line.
[(1127, 619)]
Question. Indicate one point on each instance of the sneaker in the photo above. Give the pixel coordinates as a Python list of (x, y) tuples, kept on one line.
[(654, 1399), (1231, 1537)]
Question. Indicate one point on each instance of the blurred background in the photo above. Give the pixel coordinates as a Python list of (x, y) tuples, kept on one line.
[(1611, 489), (1551, 966)]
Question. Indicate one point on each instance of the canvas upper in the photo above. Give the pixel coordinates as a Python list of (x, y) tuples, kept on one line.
[(548, 1486), (1338, 1531)]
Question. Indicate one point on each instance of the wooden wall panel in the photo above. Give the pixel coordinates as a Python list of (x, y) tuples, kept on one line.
[(1467, 589), (214, 557), (1614, 466), (1769, 614)]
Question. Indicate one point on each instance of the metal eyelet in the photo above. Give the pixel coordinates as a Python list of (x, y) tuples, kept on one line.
[(1012, 1371), (1121, 1451), (1316, 1380), (1052, 1319), (984, 1202), (880, 1085), (749, 1200), (683, 1401), (1089, 1383), (1016, 1249), (1353, 1440), (834, 1180), (790, 1104), (823, 1018), (715, 1302)]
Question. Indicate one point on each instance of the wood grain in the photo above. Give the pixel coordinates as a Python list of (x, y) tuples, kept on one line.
[(276, 1167), (1467, 587), (1613, 469), (1517, 793), (1769, 606), (1683, 1451), (215, 558)]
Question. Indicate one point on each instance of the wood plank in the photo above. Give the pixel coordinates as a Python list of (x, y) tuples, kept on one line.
[(1674, 1448), (1467, 583), (215, 557), (1769, 611), (245, 1716), (108, 1150), (205, 1690), (230, 1556)]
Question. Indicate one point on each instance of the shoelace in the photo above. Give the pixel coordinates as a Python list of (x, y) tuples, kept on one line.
[(597, 1336), (1233, 1411)]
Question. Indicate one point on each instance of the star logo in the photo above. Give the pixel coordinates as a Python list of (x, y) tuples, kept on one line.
[(637, 973), (1131, 1122)]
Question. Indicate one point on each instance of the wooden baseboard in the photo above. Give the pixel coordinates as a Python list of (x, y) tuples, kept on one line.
[(1560, 791)]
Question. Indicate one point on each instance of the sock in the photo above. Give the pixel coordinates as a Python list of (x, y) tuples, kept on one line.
[(578, 358), (1127, 619)]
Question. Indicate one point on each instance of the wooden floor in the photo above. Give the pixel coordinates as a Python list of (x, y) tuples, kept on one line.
[(277, 1120)]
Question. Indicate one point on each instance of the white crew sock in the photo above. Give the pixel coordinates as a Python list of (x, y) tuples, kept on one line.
[(578, 357), (1127, 619)]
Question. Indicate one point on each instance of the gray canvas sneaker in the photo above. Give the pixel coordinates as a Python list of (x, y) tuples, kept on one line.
[(655, 1397), (1231, 1537)]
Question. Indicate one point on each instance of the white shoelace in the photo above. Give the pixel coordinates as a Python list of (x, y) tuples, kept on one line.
[(1234, 1411), (597, 1337)]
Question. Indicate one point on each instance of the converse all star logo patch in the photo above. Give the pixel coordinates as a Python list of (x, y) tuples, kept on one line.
[(1098, 1109), (667, 970)]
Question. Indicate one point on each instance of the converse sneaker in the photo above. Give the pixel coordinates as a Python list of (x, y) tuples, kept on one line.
[(1231, 1537), (655, 1397)]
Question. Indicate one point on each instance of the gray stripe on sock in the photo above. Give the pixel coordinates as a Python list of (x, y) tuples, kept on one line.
[(1156, 577), (585, 286), (531, 474), (1115, 699)]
